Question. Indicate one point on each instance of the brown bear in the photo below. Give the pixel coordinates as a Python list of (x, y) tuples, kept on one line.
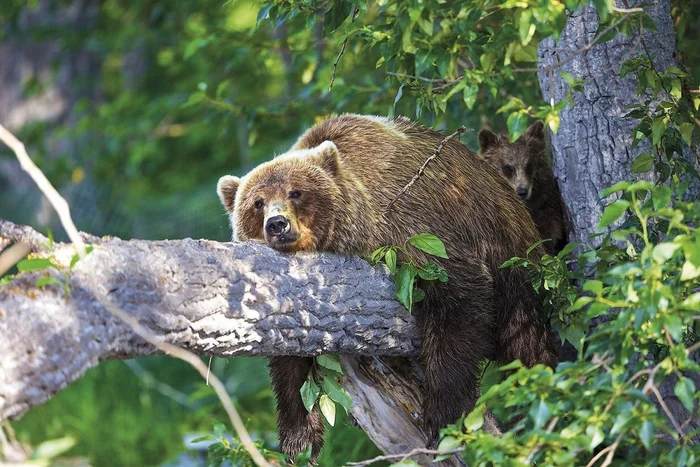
[(331, 191), (524, 165)]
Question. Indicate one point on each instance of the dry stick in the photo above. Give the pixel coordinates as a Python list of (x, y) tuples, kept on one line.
[(610, 451), (578, 52), (342, 50), (59, 204), (61, 207), (13, 254), (415, 178), (404, 456)]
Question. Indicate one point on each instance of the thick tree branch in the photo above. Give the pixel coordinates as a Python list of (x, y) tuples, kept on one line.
[(208, 297)]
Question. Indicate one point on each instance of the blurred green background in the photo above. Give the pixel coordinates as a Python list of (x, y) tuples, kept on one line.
[(134, 109)]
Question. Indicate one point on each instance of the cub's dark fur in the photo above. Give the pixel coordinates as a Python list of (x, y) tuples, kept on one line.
[(524, 165)]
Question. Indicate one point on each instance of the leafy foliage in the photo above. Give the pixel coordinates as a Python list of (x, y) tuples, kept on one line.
[(406, 271)]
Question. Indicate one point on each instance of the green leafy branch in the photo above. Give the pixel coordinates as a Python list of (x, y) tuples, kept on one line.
[(322, 387), (223, 449), (31, 264), (406, 272)]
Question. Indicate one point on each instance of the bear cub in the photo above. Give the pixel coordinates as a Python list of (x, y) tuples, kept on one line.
[(331, 192), (524, 165)]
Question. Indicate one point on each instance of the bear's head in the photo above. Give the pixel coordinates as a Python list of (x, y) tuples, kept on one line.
[(289, 202), (517, 162)]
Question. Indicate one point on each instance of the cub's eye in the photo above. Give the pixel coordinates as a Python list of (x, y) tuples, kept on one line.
[(507, 171), (259, 204), (294, 194)]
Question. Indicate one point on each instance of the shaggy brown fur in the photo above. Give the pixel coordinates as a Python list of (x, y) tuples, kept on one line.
[(523, 164), (330, 192)]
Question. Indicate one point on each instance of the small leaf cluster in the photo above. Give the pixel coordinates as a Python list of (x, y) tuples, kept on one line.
[(667, 119), (407, 272), (34, 263), (225, 449), (322, 387), (639, 291)]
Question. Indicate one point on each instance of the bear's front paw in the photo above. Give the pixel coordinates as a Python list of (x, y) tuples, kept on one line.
[(295, 438)]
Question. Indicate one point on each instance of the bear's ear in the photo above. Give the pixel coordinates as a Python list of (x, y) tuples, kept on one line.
[(535, 131), (487, 138), (327, 157), (226, 189)]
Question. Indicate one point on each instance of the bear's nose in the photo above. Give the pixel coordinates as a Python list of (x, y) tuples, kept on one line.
[(522, 192), (276, 226)]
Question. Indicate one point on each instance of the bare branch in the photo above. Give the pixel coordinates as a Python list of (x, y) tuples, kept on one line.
[(404, 456), (342, 50), (56, 200), (415, 178)]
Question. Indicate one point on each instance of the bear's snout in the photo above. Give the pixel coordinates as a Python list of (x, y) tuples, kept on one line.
[(277, 225), (522, 192)]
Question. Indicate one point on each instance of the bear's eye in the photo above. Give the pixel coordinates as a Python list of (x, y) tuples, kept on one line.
[(259, 204), (294, 194), (507, 171)]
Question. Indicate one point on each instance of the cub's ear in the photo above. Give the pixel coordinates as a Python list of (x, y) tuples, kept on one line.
[(535, 131), (327, 157), (487, 138), (226, 189)]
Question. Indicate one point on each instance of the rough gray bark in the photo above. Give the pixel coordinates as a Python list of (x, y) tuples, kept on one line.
[(592, 148), (208, 297)]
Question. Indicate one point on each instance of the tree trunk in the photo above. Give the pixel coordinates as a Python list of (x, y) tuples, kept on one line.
[(592, 148)]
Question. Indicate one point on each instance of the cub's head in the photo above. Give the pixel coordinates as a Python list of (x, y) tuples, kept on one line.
[(517, 162), (289, 202)]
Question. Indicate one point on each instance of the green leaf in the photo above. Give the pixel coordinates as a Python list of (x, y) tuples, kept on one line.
[(448, 443), (661, 196), (332, 362), (327, 408), (568, 248), (219, 429), (475, 420), (336, 392), (646, 434), (664, 251), (309, 392), (390, 260), (613, 212), (539, 413), (399, 94), (685, 390), (517, 124), (594, 286), (619, 186), (687, 132), (514, 365), (336, 15), (47, 280), (405, 279), (34, 264), (378, 254), (54, 447), (49, 234), (657, 130), (643, 163), (689, 271), (428, 243), (405, 463)]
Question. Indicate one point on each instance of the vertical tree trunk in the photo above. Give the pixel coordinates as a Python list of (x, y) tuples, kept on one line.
[(592, 148)]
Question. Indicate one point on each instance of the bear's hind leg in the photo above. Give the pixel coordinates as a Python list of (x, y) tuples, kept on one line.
[(297, 427), (457, 335)]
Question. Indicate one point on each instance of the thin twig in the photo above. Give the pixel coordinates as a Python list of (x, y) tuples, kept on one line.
[(533, 453), (415, 178), (59, 204), (342, 50), (578, 52), (404, 456), (652, 387), (63, 210), (609, 450)]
